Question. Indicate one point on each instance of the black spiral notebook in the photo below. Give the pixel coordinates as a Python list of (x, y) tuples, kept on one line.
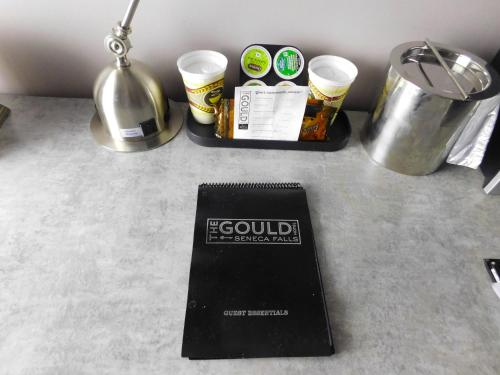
[(255, 286)]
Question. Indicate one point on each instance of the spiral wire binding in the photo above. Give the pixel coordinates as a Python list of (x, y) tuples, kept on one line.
[(253, 185)]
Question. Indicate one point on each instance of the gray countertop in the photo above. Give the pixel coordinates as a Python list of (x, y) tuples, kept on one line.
[(95, 250)]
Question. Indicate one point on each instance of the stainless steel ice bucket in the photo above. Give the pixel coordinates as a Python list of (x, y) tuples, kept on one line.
[(430, 93)]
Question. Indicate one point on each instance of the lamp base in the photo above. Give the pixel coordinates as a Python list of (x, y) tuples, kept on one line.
[(174, 124)]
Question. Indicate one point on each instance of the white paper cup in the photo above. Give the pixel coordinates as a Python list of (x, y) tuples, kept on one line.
[(203, 75), (330, 78)]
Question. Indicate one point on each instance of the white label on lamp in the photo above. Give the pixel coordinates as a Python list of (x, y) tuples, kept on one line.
[(131, 133)]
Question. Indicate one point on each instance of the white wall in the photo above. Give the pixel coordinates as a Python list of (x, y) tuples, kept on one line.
[(55, 47)]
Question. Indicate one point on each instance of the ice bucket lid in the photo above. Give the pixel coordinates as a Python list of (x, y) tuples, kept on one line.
[(417, 63)]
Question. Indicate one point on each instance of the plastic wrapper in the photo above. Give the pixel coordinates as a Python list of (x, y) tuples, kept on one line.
[(469, 149), (317, 118), (224, 115)]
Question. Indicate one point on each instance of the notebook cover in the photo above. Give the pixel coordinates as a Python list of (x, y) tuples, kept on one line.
[(255, 286)]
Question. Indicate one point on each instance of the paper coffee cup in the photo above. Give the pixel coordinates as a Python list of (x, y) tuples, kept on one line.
[(330, 78), (203, 75)]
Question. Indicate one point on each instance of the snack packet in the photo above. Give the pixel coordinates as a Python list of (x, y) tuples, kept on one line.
[(317, 118), (224, 115)]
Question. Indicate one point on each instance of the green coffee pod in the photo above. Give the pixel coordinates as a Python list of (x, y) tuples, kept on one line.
[(256, 61), (288, 63), (254, 82)]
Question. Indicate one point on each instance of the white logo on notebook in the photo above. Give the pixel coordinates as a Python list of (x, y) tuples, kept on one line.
[(253, 231)]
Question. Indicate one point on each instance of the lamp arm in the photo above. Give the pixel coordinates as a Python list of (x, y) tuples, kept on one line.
[(117, 42), (129, 14)]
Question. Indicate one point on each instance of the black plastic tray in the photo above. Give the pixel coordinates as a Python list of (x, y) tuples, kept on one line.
[(338, 136)]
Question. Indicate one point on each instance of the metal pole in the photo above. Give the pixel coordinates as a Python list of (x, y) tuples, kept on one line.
[(127, 20)]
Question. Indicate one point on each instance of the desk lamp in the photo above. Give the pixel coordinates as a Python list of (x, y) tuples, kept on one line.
[(132, 111)]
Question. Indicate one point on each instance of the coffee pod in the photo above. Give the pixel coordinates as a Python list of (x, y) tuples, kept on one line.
[(256, 61), (288, 63), (286, 83), (254, 82), (203, 75), (330, 78)]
